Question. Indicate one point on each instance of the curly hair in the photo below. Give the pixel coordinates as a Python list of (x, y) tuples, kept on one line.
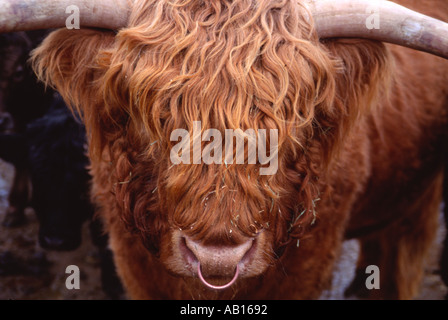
[(242, 64)]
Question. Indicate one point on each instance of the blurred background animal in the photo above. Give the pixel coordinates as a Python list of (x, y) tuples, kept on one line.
[(46, 144)]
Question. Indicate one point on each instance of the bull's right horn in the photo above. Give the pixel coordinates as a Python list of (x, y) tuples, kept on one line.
[(398, 25)]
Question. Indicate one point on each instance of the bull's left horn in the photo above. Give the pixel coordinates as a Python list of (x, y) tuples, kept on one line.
[(397, 24), (22, 15)]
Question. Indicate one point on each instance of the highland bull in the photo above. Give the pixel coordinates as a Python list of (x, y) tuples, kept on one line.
[(362, 128)]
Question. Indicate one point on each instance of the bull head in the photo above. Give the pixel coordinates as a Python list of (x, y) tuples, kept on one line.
[(224, 227)]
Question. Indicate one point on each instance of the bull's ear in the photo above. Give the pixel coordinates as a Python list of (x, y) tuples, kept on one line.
[(363, 80), (363, 77), (67, 60), (366, 69)]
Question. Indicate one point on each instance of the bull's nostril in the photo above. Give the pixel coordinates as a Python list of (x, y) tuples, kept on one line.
[(249, 253), (189, 256)]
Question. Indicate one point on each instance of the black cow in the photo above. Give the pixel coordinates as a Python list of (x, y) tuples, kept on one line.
[(22, 100), (54, 149), (46, 144)]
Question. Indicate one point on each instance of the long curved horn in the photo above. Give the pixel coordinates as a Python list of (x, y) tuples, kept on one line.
[(397, 24), (22, 15), (342, 18)]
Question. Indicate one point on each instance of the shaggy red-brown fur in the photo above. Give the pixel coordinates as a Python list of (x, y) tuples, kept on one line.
[(361, 133)]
